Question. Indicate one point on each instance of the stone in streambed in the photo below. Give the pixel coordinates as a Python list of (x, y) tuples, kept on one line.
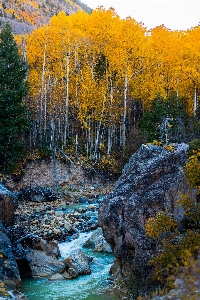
[(50, 248), (67, 225), (59, 213), (79, 262), (55, 277), (98, 242), (70, 274), (42, 265)]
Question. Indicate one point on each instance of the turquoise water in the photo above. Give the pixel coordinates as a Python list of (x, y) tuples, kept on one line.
[(88, 287)]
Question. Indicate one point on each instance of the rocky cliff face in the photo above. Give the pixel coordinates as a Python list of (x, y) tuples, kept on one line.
[(150, 182)]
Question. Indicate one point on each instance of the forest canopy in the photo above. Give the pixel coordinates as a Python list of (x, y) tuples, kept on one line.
[(93, 76)]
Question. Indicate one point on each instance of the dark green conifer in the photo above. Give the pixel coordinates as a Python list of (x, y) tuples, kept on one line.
[(13, 89)]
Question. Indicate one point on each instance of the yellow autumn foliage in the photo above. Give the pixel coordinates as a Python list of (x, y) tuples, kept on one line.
[(178, 242)]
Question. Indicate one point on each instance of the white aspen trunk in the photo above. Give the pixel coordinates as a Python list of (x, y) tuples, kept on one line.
[(76, 144), (120, 136), (195, 100), (177, 88), (45, 105), (66, 126), (45, 109), (42, 93), (109, 141), (59, 129), (125, 109), (89, 137), (124, 113), (24, 50), (110, 129), (87, 146), (97, 138), (55, 168), (34, 139), (52, 130)]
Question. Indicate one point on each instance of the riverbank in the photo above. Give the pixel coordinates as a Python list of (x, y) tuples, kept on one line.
[(53, 219)]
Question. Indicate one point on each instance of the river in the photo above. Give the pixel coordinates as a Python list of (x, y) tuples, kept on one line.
[(89, 287)]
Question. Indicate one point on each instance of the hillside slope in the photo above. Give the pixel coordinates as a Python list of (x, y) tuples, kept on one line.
[(26, 15)]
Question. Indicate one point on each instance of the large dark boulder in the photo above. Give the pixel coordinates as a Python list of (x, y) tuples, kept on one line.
[(78, 262), (150, 182), (10, 281), (8, 204), (9, 273), (43, 265)]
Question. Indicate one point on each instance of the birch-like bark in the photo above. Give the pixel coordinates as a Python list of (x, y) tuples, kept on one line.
[(89, 136), (177, 87), (52, 130), (98, 130), (110, 129), (45, 110), (66, 127), (195, 100), (76, 144), (123, 139), (42, 93)]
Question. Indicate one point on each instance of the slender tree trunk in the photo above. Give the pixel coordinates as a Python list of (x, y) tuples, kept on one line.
[(66, 126), (123, 140), (42, 94), (195, 99), (55, 168), (52, 130), (89, 137), (87, 143), (109, 146), (110, 129), (76, 144), (177, 88), (45, 110)]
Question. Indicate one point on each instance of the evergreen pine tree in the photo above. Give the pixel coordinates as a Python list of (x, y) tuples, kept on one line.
[(13, 113)]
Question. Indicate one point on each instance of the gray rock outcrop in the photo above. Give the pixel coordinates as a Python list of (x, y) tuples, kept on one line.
[(150, 182)]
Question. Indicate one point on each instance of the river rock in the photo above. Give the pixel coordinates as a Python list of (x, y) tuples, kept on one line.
[(55, 277), (150, 182), (79, 262), (50, 248), (70, 274), (42, 265), (8, 204), (67, 225), (97, 242), (59, 213)]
